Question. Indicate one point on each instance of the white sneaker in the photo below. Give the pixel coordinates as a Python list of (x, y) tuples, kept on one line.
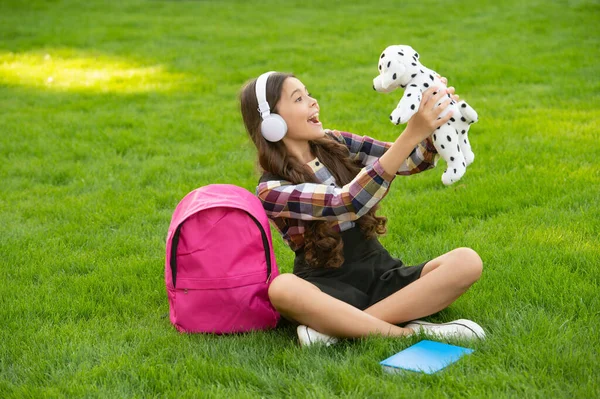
[(308, 336), (461, 328)]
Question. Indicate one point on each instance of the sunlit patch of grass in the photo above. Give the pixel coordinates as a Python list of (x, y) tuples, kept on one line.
[(69, 70)]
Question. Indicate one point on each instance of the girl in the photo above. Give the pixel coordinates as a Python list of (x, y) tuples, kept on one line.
[(321, 189)]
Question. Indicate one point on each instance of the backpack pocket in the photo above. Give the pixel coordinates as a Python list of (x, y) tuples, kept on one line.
[(223, 305)]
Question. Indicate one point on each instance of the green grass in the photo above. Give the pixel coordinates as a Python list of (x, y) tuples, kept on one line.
[(141, 108)]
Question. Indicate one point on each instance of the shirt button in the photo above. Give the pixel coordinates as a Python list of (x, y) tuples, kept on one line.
[(317, 163)]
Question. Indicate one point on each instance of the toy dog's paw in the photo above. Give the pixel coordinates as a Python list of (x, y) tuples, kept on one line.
[(469, 157), (451, 176), (454, 172), (447, 179), (400, 116), (468, 112)]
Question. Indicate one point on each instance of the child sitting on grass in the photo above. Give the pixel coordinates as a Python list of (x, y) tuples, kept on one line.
[(321, 189)]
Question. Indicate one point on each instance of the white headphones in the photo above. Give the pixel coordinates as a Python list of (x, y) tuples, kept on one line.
[(273, 127)]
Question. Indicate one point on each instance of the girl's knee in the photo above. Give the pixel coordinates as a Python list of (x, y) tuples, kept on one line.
[(469, 263), (285, 289), (280, 286)]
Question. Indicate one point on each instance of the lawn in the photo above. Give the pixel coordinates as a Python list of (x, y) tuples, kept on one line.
[(110, 112)]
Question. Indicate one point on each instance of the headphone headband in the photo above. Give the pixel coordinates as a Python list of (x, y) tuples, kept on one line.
[(261, 94)]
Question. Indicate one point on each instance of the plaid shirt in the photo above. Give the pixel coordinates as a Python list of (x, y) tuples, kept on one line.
[(290, 206)]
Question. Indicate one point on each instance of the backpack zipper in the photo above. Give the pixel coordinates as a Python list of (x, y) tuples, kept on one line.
[(265, 245)]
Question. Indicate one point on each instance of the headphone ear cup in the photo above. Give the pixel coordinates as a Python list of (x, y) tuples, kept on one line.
[(273, 128)]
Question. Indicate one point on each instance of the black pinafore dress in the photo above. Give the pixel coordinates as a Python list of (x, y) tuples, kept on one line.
[(368, 275)]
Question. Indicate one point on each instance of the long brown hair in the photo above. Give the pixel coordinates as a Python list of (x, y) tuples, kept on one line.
[(322, 245)]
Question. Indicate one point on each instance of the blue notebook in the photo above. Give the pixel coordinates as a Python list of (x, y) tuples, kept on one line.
[(425, 356)]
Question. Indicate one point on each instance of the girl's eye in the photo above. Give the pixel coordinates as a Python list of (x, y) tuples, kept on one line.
[(308, 94), (299, 99)]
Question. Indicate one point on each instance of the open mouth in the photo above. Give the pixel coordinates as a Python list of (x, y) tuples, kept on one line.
[(314, 119)]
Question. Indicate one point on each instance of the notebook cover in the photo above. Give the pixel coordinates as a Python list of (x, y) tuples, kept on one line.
[(425, 356)]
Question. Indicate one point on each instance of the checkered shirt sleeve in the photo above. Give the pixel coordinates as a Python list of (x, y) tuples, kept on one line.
[(312, 201), (368, 150)]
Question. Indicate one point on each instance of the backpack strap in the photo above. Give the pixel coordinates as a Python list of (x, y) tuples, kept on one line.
[(174, 243)]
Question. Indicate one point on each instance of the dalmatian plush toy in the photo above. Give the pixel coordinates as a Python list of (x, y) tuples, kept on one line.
[(399, 66)]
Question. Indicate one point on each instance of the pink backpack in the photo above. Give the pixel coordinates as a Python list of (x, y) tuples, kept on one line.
[(219, 262)]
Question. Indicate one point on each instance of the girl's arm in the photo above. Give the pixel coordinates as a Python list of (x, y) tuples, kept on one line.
[(367, 150), (312, 201)]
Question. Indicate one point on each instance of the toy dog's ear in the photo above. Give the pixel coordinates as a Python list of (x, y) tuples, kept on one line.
[(390, 78)]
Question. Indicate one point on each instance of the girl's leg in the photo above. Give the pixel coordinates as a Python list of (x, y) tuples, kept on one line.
[(442, 281), (299, 300)]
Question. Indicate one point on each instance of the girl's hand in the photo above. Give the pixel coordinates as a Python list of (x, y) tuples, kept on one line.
[(451, 89), (427, 119)]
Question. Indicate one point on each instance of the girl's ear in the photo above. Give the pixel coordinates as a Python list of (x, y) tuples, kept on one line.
[(391, 77)]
